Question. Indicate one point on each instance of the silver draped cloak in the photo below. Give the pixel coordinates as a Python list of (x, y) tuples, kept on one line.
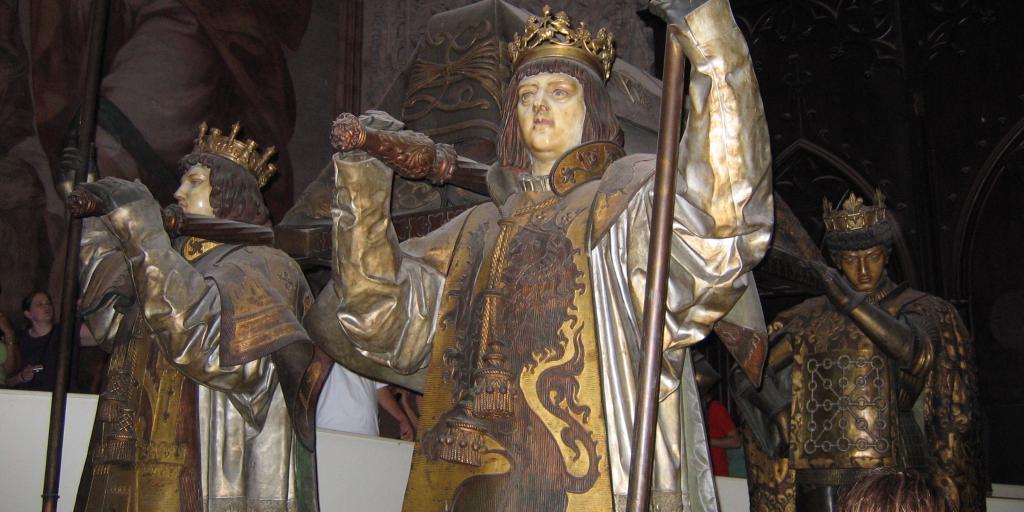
[(250, 458)]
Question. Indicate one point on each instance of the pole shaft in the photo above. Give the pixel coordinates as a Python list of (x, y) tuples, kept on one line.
[(86, 134), (646, 418)]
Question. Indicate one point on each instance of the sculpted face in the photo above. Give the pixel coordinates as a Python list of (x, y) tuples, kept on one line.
[(550, 111), (194, 193), (864, 268)]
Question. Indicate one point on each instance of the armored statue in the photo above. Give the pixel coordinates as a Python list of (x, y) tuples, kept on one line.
[(213, 381), (526, 310), (871, 374)]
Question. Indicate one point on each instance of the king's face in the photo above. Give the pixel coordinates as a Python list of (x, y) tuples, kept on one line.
[(864, 268), (550, 111), (194, 193)]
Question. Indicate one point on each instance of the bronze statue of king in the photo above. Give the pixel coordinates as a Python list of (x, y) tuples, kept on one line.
[(871, 374)]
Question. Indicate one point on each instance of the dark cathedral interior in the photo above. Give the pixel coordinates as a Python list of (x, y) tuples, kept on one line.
[(922, 101)]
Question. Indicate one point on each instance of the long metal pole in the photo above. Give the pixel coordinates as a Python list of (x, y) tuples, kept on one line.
[(69, 291), (646, 417)]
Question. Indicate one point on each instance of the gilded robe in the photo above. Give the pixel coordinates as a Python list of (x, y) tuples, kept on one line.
[(539, 280), (212, 382)]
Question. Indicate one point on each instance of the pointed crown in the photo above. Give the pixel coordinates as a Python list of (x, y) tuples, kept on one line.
[(212, 141), (854, 215), (554, 36)]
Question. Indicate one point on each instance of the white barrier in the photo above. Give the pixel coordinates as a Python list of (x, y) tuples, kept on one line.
[(356, 473)]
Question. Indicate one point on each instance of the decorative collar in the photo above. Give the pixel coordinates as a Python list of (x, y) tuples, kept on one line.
[(885, 289), (579, 165)]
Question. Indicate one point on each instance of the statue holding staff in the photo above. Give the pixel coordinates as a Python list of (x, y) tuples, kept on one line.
[(213, 381), (526, 309)]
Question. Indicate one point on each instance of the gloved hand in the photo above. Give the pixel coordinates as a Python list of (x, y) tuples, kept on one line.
[(838, 289), (110, 194)]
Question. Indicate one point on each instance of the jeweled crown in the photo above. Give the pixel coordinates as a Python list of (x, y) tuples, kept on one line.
[(854, 215), (212, 141), (554, 36)]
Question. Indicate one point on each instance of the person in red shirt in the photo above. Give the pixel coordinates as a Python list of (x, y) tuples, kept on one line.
[(722, 434)]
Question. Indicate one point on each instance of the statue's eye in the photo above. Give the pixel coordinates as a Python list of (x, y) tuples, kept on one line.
[(526, 97), (560, 93)]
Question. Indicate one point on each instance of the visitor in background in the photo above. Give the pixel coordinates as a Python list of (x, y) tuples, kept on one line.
[(722, 434), (37, 344), (348, 403)]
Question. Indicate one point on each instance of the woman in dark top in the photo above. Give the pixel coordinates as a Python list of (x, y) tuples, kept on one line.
[(37, 344)]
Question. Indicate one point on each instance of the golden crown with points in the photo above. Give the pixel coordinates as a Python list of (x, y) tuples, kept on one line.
[(212, 141), (854, 215), (554, 36)]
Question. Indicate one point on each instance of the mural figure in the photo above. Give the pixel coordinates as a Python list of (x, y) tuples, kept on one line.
[(526, 309), (213, 382)]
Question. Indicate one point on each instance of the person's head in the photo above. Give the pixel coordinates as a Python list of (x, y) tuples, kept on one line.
[(556, 98), (858, 239), (38, 308), (214, 183), (888, 490)]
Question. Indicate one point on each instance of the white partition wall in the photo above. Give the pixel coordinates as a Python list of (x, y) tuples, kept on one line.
[(356, 473)]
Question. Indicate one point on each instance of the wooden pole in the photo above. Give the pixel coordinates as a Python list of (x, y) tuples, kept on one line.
[(69, 293), (646, 418)]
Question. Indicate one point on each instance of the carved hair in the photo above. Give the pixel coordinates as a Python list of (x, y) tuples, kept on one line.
[(600, 122), (888, 490), (234, 194)]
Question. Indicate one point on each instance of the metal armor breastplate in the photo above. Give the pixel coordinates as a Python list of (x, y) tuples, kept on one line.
[(844, 402)]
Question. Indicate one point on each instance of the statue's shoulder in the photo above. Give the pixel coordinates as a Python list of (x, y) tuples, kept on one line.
[(915, 301)]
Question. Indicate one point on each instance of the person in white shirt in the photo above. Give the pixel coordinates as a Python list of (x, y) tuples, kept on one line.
[(348, 403)]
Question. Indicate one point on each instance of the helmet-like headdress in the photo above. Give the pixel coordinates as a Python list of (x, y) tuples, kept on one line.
[(856, 226), (554, 36), (245, 154)]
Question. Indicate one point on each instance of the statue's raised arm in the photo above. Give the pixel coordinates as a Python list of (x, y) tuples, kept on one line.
[(526, 309), (213, 381)]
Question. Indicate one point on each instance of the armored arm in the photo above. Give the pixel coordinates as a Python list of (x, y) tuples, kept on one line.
[(896, 338)]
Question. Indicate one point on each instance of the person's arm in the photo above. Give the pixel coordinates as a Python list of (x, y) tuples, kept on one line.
[(388, 403), (13, 361), (723, 433), (731, 440), (407, 397)]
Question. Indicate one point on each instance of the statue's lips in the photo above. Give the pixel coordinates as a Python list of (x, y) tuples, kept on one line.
[(542, 121)]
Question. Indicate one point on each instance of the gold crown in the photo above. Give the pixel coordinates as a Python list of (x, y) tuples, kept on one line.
[(553, 36), (854, 215), (212, 141)]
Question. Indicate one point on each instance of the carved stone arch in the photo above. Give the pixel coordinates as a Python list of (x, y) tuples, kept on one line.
[(805, 172), (988, 275), (978, 200)]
